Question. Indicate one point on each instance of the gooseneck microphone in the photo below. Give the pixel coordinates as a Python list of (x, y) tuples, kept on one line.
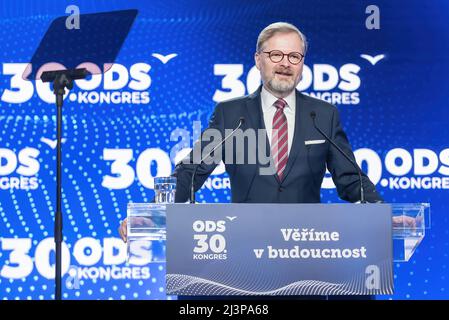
[(192, 183), (356, 166)]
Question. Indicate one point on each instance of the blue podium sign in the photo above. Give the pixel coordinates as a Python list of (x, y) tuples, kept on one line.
[(279, 249)]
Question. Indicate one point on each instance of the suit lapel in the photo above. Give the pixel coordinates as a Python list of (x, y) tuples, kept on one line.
[(253, 106), (256, 121)]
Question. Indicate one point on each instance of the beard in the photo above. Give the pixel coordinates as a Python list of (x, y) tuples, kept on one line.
[(282, 85)]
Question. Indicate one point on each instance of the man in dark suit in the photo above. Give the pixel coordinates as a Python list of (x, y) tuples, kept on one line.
[(298, 155), (298, 152), (280, 115)]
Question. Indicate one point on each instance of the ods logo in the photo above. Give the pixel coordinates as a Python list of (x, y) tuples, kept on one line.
[(117, 85), (18, 171), (403, 169), (336, 85), (210, 241)]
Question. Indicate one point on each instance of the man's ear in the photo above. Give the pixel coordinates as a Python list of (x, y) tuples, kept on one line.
[(257, 60)]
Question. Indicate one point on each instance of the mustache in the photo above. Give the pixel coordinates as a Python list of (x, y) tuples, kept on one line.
[(283, 70)]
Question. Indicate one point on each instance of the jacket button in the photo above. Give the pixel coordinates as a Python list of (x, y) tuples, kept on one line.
[(281, 189)]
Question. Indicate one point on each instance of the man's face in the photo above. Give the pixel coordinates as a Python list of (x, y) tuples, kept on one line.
[(282, 77)]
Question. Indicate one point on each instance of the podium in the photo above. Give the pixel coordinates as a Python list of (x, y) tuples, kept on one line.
[(278, 249)]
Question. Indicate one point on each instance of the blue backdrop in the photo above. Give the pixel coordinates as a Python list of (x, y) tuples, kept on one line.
[(180, 58)]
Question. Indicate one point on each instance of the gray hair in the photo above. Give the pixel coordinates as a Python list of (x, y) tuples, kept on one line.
[(281, 27)]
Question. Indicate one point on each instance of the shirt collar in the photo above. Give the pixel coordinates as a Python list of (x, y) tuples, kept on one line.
[(268, 100)]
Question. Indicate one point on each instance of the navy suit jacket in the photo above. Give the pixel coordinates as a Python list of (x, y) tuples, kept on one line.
[(306, 164)]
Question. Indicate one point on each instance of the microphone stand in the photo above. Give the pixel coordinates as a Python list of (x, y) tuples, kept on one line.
[(356, 166), (61, 79), (192, 183)]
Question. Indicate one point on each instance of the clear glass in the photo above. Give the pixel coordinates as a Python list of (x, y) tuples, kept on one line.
[(410, 222), (165, 189), (146, 220), (146, 234)]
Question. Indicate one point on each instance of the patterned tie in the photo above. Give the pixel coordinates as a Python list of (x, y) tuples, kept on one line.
[(279, 139)]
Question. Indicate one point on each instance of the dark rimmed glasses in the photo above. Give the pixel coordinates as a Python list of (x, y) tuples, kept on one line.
[(277, 56)]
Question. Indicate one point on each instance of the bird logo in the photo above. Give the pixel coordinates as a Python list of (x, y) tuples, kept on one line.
[(371, 59), (51, 143), (164, 59)]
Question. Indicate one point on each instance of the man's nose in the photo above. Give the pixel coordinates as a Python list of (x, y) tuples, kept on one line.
[(285, 63)]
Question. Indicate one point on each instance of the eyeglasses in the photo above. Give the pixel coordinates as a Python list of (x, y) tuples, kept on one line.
[(277, 56)]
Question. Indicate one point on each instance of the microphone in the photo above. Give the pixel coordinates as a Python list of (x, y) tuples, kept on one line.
[(192, 183), (356, 166)]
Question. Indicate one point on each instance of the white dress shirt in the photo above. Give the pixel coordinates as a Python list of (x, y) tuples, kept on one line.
[(269, 110)]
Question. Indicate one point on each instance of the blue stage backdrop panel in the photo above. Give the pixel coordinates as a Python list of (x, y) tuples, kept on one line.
[(180, 58)]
